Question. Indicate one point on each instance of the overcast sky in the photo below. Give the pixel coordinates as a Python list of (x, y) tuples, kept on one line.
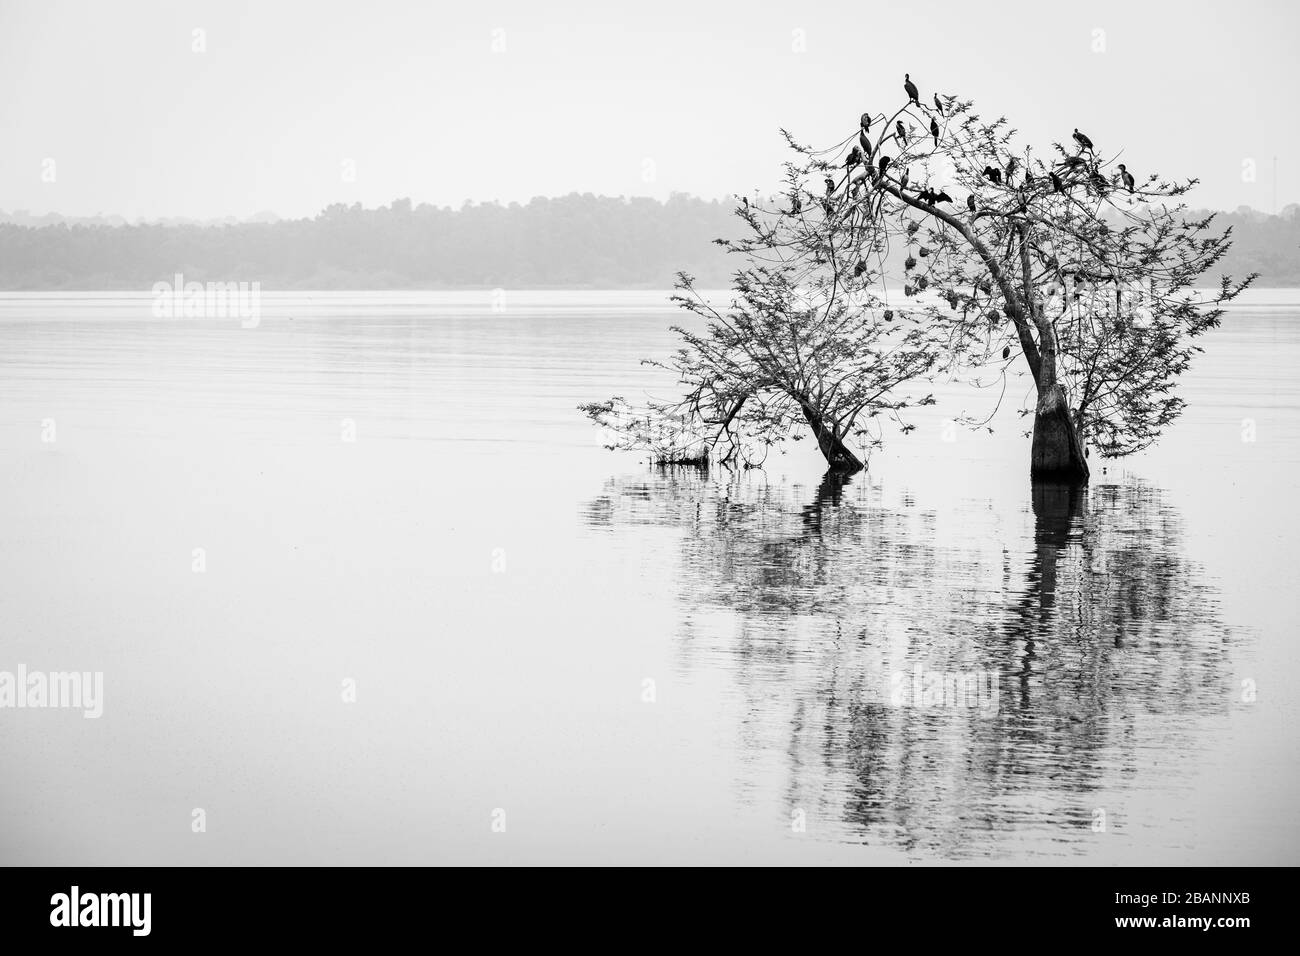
[(642, 98)]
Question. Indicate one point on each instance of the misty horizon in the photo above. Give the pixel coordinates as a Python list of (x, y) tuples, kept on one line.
[(574, 241), (27, 217)]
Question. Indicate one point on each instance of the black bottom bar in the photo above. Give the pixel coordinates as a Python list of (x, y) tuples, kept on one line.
[(333, 906)]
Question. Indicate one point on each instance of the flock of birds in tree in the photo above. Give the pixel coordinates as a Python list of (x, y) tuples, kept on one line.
[(1073, 170), (1062, 178)]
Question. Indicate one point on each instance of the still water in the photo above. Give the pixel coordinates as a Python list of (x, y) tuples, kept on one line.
[(364, 588)]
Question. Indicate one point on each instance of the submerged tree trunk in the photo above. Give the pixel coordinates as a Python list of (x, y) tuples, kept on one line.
[(1057, 453), (836, 453)]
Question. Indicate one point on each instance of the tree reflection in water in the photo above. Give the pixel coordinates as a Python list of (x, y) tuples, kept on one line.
[(1105, 641)]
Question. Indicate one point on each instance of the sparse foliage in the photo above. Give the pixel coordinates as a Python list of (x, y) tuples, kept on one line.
[(1062, 260), (805, 344)]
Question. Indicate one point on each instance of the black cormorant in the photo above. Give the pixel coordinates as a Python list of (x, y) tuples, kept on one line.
[(934, 131), (865, 120), (901, 132), (1126, 176), (970, 202), (937, 105), (1082, 140), (913, 94)]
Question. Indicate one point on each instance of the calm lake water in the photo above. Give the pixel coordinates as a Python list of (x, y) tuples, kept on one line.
[(621, 664)]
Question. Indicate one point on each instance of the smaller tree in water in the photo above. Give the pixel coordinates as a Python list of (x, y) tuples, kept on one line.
[(804, 347)]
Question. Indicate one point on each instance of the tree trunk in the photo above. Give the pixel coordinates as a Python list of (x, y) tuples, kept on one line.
[(837, 454), (1057, 453)]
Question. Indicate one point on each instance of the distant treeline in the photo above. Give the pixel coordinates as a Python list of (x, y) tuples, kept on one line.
[(578, 241)]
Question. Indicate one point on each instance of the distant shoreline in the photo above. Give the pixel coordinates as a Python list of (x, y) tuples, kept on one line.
[(571, 243)]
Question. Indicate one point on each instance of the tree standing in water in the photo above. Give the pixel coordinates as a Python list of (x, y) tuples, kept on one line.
[(1068, 261), (1073, 265), (804, 346)]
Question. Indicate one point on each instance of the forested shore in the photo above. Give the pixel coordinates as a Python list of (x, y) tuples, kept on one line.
[(576, 241)]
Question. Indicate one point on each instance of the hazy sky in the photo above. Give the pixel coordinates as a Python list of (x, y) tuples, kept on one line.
[(641, 98)]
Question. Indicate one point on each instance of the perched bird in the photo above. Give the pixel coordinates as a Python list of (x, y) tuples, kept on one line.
[(745, 200), (796, 203), (860, 268), (866, 122), (865, 144), (884, 164), (830, 185), (1074, 162), (993, 174), (1006, 351), (1126, 176), (937, 105), (854, 157), (1056, 182), (1012, 165), (913, 94), (902, 179), (901, 132), (934, 131), (926, 195), (970, 202), (1082, 140), (1099, 182), (942, 196)]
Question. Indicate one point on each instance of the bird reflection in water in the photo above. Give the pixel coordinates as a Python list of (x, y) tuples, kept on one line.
[(1104, 643)]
